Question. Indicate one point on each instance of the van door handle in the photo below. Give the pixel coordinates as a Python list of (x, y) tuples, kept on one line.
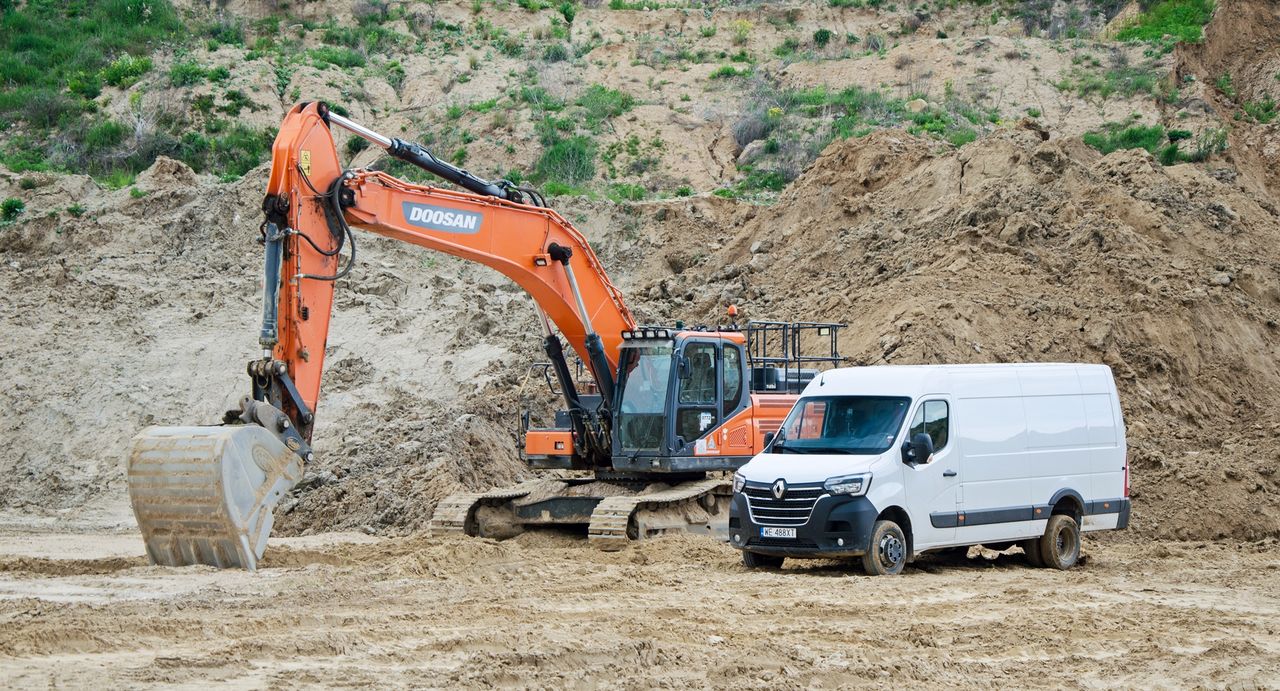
[(948, 473)]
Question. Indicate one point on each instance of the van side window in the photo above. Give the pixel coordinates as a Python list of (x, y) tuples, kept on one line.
[(932, 419)]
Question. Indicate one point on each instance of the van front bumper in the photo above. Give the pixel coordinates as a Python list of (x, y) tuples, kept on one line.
[(840, 526)]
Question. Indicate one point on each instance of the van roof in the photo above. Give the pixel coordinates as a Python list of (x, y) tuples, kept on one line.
[(916, 380)]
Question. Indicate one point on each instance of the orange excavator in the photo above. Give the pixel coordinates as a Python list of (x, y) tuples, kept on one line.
[(665, 413)]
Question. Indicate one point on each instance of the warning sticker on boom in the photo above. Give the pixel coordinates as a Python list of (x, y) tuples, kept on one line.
[(442, 218)]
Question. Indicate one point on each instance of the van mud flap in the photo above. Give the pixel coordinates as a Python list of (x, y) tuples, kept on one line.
[(206, 495)]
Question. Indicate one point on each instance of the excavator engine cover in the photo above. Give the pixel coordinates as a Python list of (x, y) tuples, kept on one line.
[(205, 495)]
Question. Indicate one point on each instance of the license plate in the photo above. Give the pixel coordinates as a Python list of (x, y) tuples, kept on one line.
[(778, 532)]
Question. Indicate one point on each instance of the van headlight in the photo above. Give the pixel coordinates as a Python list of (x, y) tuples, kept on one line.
[(738, 482), (851, 485)]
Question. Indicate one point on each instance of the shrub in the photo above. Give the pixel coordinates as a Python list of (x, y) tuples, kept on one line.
[(629, 193), (568, 11), (105, 135), (186, 73), (569, 161), (1261, 111), (1182, 19), (707, 31), (741, 31), (602, 103), (76, 209), (27, 183), (125, 70), (555, 52), (822, 37), (788, 47), (11, 208), (337, 56), (1225, 86), (729, 72), (684, 191)]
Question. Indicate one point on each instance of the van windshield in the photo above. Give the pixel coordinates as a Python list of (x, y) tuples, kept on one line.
[(861, 425)]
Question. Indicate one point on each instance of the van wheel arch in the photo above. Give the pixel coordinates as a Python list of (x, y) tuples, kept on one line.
[(1068, 502), (899, 515)]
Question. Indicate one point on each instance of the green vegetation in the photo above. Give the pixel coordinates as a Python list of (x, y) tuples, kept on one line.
[(622, 192), (1182, 19), (48, 46), (10, 209), (1125, 80), (1165, 146), (1262, 112), (822, 37), (729, 72), (602, 103), (1224, 85), (76, 209), (338, 56), (569, 161)]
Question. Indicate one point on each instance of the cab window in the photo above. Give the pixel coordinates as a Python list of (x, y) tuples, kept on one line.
[(698, 410), (932, 419), (732, 378)]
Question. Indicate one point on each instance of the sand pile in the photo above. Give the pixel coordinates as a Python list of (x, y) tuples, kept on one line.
[(1019, 249)]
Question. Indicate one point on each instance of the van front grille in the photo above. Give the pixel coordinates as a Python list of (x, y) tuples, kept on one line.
[(792, 510)]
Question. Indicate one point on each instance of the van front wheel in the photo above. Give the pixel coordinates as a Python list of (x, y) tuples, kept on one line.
[(751, 560), (1060, 546), (886, 553)]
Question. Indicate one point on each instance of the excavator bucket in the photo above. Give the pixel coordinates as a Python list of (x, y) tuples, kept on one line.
[(205, 495)]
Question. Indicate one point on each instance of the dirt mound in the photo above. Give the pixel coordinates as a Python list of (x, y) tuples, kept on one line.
[(1018, 249)]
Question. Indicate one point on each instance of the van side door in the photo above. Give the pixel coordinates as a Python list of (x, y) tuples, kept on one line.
[(930, 486)]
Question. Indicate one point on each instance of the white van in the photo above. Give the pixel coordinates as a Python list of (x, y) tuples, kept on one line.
[(888, 462)]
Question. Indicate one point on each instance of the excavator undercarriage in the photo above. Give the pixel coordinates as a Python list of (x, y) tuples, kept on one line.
[(643, 445)]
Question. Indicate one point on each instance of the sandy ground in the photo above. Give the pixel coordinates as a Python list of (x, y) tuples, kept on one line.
[(547, 610)]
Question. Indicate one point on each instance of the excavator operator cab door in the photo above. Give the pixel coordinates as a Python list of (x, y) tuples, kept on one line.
[(702, 379)]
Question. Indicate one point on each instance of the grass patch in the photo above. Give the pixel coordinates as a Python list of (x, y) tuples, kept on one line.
[(77, 45), (570, 161), (1182, 19), (1262, 112), (1125, 80), (1165, 146), (11, 209), (602, 103)]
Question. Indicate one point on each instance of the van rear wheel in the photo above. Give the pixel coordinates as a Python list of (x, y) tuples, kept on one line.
[(751, 560), (886, 553), (1060, 546)]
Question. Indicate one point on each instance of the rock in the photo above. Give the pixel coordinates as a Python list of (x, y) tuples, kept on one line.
[(166, 173), (761, 246), (1222, 278), (751, 152), (917, 105)]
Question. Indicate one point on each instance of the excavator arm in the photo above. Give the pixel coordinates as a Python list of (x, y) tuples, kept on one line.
[(206, 494)]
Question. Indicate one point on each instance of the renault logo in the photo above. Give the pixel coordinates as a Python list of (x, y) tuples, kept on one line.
[(779, 489)]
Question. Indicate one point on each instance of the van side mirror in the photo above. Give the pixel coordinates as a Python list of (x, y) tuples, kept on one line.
[(768, 438), (918, 450)]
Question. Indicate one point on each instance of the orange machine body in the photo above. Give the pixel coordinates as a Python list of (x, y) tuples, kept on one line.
[(312, 194)]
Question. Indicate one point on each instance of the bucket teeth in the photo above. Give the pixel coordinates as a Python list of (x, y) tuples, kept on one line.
[(205, 495)]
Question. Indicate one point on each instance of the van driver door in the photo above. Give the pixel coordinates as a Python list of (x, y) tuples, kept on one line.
[(931, 486)]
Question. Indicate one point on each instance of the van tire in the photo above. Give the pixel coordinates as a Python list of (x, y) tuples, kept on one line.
[(886, 553), (751, 560), (1032, 549), (1060, 546)]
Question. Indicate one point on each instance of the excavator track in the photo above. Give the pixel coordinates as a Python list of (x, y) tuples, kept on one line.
[(612, 523), (455, 514)]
